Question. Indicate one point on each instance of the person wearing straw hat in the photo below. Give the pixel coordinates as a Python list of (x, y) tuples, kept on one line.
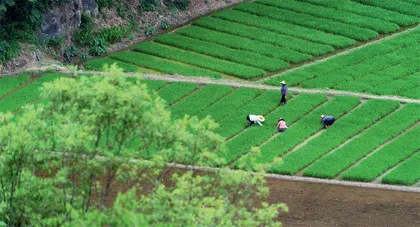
[(255, 119), (283, 92), (281, 125), (327, 121)]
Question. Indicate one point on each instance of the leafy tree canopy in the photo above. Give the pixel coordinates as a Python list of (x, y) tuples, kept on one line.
[(63, 161)]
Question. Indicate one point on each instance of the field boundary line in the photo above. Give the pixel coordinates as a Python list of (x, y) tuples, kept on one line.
[(308, 179), (349, 140), (379, 178), (241, 83), (321, 131), (411, 127), (339, 53)]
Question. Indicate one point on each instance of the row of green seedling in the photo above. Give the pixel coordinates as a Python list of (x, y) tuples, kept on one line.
[(407, 173), (285, 28), (162, 65), (199, 60), (369, 11), (394, 5), (334, 15), (390, 127), (326, 25), (342, 130), (7, 84), (222, 52), (296, 109)]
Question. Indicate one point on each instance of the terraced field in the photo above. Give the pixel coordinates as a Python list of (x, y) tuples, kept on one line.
[(256, 39), (390, 67), (371, 141)]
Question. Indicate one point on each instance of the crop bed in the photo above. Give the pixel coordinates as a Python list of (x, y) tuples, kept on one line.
[(254, 39), (390, 67), (371, 141)]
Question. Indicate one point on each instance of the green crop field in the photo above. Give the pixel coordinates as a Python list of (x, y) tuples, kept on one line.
[(256, 39), (371, 140), (390, 67)]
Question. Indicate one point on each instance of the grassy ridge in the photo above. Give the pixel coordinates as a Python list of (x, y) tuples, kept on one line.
[(285, 28), (372, 110), (236, 121), (162, 65), (405, 174), (7, 84), (229, 103), (27, 94), (175, 91), (399, 6), (222, 52), (297, 108), (326, 25), (97, 64), (384, 159), (199, 60), (331, 165), (370, 11), (304, 128), (264, 36), (334, 14), (241, 43), (200, 100)]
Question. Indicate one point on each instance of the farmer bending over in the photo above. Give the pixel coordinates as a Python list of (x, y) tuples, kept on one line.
[(255, 119), (281, 125), (327, 121)]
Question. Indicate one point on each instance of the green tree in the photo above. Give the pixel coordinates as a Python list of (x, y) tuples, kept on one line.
[(61, 160)]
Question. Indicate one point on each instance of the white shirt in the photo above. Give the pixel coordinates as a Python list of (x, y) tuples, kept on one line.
[(254, 118)]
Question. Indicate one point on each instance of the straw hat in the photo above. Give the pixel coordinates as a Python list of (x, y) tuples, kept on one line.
[(261, 118), (322, 116), (283, 82)]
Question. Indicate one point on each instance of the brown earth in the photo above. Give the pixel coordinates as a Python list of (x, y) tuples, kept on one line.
[(319, 204)]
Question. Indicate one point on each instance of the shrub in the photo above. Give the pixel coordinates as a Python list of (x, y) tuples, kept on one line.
[(179, 4), (165, 24), (99, 47), (112, 34), (148, 6), (71, 51), (8, 50)]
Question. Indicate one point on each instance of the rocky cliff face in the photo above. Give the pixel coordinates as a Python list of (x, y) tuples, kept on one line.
[(63, 19)]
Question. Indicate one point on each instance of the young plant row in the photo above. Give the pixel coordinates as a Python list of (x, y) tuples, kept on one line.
[(199, 60), (9, 83), (326, 25), (356, 57), (394, 5), (175, 91), (407, 173), (199, 100), (26, 94), (334, 15), (390, 127), (230, 103), (285, 28), (240, 43), (263, 35), (222, 52), (162, 65), (345, 128), (305, 128), (369, 11), (359, 71), (98, 65), (387, 157), (297, 108)]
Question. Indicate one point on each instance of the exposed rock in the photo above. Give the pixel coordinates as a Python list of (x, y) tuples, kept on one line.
[(51, 25)]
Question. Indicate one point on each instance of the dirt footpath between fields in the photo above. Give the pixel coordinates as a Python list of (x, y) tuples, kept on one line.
[(320, 204)]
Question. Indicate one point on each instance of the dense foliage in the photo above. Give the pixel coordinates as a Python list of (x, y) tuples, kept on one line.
[(62, 160)]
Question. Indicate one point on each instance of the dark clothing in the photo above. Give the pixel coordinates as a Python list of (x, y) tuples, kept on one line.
[(283, 100), (328, 120), (282, 129), (283, 92)]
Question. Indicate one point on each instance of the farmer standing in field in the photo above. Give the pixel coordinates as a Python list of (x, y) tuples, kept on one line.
[(281, 125), (327, 121), (255, 119), (283, 92)]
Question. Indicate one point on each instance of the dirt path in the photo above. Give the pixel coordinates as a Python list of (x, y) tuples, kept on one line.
[(338, 54), (237, 83)]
